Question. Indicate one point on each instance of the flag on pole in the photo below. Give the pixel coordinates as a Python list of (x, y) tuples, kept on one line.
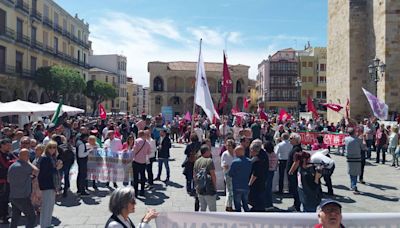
[(226, 84), (311, 108), (283, 115), (57, 114), (188, 117), (102, 112), (379, 107), (202, 93), (334, 107)]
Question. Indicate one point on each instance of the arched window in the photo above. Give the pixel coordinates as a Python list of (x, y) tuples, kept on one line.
[(158, 84), (238, 86)]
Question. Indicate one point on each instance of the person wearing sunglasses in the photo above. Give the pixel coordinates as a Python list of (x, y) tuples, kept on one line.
[(122, 203)]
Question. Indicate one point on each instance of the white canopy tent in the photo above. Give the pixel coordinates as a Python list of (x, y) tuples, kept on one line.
[(24, 108), (65, 108)]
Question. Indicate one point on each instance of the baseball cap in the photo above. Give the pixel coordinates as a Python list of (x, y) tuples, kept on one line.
[(325, 202)]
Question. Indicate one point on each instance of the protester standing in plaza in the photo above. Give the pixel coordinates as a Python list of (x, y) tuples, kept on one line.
[(295, 140), (47, 177), (282, 150), (6, 159), (353, 148), (205, 180), (150, 159), (393, 142), (226, 160), (163, 154), (257, 180), (272, 166), (112, 145), (191, 152), (381, 143), (20, 178), (141, 149), (240, 172), (82, 159)]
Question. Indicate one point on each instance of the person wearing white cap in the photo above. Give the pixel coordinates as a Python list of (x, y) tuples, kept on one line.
[(329, 214)]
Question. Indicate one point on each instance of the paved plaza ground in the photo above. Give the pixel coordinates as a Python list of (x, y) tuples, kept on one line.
[(379, 194)]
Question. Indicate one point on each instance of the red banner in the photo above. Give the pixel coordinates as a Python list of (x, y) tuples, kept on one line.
[(309, 138)]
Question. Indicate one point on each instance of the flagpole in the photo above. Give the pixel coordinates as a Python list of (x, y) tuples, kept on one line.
[(195, 86)]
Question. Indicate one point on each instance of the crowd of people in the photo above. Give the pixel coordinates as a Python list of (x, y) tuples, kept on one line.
[(36, 160)]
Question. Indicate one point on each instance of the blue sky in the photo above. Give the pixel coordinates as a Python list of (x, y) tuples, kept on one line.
[(162, 30)]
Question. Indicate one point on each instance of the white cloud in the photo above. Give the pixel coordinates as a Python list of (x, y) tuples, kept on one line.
[(143, 40)]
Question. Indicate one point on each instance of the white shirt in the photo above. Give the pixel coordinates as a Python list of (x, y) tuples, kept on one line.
[(227, 159), (236, 130), (46, 140), (114, 145), (224, 129), (82, 153), (320, 158), (199, 133), (153, 147), (104, 132), (283, 149)]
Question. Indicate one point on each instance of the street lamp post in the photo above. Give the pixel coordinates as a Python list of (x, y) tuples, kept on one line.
[(298, 83), (373, 69)]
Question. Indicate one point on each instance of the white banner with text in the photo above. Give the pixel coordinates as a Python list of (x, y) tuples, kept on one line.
[(270, 220)]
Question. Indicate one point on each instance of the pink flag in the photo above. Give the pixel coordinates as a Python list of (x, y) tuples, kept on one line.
[(188, 117)]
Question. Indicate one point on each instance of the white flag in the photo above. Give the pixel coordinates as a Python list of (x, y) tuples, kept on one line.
[(379, 107), (202, 93)]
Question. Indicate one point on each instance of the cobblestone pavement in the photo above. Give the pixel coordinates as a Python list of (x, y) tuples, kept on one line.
[(379, 194)]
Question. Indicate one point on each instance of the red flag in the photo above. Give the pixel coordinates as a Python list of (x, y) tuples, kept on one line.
[(188, 117), (102, 112), (334, 107), (263, 116), (311, 108), (226, 84), (283, 115), (246, 103)]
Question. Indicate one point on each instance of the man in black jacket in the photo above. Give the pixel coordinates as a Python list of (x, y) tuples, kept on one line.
[(295, 140), (5, 162), (163, 154)]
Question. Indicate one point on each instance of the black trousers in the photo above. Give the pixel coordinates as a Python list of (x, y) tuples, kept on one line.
[(328, 180), (282, 168), (149, 171), (4, 199), (25, 206), (293, 190), (82, 174), (138, 170)]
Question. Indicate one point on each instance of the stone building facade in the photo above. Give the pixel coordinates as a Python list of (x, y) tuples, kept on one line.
[(34, 34), (172, 84), (359, 31)]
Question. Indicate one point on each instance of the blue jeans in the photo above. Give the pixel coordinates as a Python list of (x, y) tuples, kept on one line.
[(309, 204), (64, 172), (353, 182), (160, 163), (241, 198), (369, 143), (268, 189)]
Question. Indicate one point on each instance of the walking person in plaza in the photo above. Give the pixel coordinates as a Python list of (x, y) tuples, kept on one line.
[(240, 172), (227, 158), (122, 203), (282, 150), (141, 149), (20, 178), (163, 154), (205, 180), (47, 177), (150, 159), (353, 147)]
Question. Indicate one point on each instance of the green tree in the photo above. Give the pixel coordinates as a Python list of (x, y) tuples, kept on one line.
[(58, 80), (99, 91)]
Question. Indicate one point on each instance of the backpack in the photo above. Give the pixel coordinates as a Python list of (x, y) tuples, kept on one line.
[(204, 183)]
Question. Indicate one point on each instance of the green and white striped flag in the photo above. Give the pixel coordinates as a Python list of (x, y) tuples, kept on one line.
[(57, 113)]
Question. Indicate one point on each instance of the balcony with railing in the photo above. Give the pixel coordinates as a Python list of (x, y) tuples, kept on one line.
[(37, 45), (58, 28), (21, 38), (24, 7), (7, 33), (48, 49), (8, 2), (15, 71), (47, 21), (36, 15)]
